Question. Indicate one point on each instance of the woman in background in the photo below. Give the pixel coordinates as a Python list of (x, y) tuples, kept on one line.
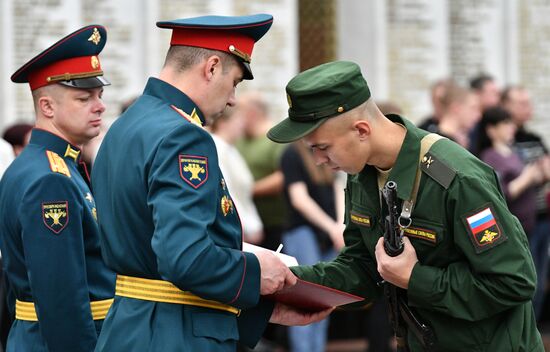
[(517, 180)]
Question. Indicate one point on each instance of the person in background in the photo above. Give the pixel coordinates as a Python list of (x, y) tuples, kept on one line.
[(263, 159), (460, 114), (312, 233), (226, 129), (438, 91), (488, 92), (6, 156), (531, 149), (18, 136), (50, 236), (169, 227), (465, 270), (518, 180), (6, 316)]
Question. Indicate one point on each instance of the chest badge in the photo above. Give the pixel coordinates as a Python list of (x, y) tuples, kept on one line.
[(227, 205), (89, 197), (55, 216), (193, 169)]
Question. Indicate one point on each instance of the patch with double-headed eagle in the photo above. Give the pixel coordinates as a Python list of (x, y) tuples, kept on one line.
[(484, 230), (55, 215), (193, 169)]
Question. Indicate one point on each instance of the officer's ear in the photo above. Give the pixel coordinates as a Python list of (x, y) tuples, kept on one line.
[(44, 100), (45, 105), (363, 129), (213, 64)]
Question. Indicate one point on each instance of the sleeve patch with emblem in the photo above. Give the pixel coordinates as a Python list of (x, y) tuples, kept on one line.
[(55, 215), (484, 230), (193, 169)]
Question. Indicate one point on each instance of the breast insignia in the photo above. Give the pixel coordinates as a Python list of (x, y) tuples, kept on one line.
[(227, 205)]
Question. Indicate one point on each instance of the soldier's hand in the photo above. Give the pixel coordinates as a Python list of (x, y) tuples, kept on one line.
[(287, 315), (275, 275), (396, 270)]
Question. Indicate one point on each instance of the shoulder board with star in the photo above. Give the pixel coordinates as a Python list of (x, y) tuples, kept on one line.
[(437, 169), (57, 163), (193, 118)]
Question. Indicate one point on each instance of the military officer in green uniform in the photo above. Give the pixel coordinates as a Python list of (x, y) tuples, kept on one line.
[(466, 266), (169, 227), (49, 234)]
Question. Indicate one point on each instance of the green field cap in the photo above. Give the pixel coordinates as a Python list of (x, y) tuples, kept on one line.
[(318, 94)]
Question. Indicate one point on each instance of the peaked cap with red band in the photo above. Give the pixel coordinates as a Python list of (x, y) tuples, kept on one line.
[(72, 61), (235, 35)]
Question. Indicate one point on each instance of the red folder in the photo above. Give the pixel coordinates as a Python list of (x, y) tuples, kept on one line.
[(314, 297)]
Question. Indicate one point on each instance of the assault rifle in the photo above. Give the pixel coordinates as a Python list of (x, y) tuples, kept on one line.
[(401, 315)]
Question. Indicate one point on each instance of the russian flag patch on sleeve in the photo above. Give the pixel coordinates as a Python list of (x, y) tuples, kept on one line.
[(484, 230)]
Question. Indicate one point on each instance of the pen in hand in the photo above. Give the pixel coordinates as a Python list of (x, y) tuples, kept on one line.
[(279, 248)]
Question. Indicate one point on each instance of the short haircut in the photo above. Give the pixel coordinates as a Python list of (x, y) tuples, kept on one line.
[(184, 57), (454, 94), (507, 92), (478, 82), (52, 90)]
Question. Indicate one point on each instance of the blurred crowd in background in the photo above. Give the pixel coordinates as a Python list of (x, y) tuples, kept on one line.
[(283, 197)]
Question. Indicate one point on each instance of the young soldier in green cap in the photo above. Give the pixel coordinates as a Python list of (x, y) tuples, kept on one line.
[(169, 227), (48, 223), (466, 267)]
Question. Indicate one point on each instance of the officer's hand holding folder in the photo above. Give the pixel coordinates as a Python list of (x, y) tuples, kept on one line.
[(306, 295)]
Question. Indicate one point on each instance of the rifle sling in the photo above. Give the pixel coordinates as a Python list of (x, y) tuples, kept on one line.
[(425, 144)]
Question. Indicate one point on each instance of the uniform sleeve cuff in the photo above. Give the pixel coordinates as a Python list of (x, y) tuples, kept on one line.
[(421, 283), (249, 292)]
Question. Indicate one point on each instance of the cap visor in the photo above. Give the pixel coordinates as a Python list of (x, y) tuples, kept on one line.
[(289, 131), (86, 83), (247, 71)]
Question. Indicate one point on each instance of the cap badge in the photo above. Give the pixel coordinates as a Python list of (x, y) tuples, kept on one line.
[(288, 100), (95, 62), (95, 37)]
